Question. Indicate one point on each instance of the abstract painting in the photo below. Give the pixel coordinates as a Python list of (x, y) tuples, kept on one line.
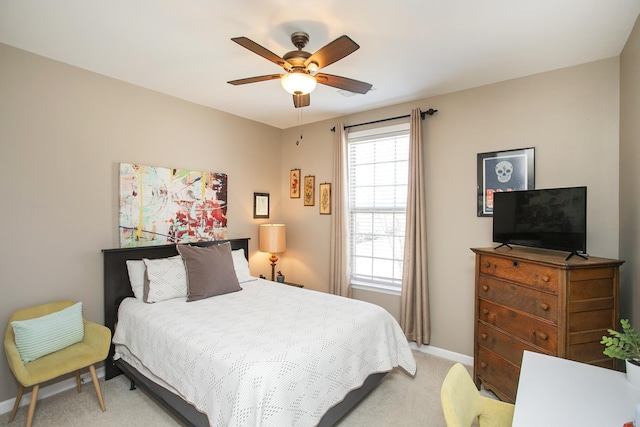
[(160, 206)]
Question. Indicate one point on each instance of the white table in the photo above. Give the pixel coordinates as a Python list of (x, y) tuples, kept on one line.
[(559, 392)]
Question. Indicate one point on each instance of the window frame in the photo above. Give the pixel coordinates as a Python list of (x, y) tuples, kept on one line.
[(386, 285)]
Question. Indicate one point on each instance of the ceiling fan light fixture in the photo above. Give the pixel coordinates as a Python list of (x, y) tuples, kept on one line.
[(298, 83)]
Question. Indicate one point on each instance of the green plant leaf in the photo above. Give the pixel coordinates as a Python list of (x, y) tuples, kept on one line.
[(622, 345)]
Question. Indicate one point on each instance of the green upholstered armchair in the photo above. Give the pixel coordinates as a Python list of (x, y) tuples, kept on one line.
[(93, 348), (462, 403)]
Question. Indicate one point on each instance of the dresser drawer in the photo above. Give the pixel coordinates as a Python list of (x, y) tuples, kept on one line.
[(538, 276), (497, 374), (524, 326), (538, 303), (507, 346)]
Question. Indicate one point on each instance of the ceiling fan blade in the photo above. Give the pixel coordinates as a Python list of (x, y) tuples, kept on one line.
[(254, 79), (301, 100), (259, 50), (334, 51), (344, 83)]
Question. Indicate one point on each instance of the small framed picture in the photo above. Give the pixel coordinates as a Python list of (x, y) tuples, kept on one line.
[(325, 199), (309, 190), (294, 184), (261, 205), (510, 170)]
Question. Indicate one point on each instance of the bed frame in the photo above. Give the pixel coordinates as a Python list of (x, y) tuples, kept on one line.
[(117, 288)]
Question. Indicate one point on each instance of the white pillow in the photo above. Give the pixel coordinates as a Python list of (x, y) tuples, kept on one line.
[(166, 278), (137, 270), (241, 265)]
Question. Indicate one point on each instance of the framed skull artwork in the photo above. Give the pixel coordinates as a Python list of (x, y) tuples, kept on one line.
[(510, 170)]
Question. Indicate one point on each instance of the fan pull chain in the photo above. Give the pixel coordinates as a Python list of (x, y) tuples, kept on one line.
[(298, 141)]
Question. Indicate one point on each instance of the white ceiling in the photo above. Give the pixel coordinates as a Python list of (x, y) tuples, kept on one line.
[(409, 49)]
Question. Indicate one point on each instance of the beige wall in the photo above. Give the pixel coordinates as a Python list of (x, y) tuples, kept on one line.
[(571, 118), (630, 177), (63, 132)]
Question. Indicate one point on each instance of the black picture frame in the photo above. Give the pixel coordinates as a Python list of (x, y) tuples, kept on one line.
[(261, 205), (509, 170)]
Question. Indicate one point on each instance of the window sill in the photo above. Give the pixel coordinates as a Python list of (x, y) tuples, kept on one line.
[(373, 287)]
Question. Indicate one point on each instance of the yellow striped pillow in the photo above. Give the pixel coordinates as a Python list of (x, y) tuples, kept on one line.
[(40, 336)]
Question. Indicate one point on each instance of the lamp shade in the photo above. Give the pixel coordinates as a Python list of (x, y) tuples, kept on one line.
[(273, 238), (298, 82)]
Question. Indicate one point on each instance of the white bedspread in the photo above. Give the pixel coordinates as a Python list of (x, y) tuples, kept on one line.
[(269, 355)]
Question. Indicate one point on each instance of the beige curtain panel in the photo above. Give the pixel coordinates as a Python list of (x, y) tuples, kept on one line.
[(414, 308), (339, 272)]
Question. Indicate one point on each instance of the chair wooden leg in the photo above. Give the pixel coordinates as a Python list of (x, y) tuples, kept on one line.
[(15, 405), (32, 405), (78, 381), (96, 384)]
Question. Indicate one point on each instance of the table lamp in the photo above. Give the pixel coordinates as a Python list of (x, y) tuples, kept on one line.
[(273, 240)]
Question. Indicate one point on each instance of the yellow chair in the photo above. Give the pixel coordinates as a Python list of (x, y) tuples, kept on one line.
[(93, 348), (462, 403)]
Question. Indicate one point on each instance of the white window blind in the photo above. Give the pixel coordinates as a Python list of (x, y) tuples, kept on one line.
[(378, 175)]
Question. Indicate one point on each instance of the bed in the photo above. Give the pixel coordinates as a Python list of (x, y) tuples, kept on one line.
[(267, 362)]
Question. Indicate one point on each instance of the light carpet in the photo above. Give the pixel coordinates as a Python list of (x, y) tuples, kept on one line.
[(398, 401)]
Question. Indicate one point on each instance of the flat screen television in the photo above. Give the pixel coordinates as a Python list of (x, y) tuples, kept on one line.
[(554, 218)]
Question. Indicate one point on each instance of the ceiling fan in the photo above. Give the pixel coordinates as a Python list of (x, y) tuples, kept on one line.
[(302, 67)]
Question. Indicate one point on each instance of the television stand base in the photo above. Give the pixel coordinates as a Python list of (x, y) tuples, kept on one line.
[(501, 245), (585, 256)]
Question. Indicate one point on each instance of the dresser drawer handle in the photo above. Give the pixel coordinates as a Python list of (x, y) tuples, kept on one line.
[(545, 278), (487, 264), (544, 306), (483, 365), (541, 335), (484, 336), (485, 288), (485, 311)]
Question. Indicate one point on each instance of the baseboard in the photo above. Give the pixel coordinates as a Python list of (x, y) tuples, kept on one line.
[(445, 354), (50, 390)]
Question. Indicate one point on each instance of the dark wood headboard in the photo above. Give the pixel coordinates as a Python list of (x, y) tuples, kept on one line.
[(117, 286)]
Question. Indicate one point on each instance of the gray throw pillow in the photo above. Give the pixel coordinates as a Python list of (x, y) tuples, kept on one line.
[(210, 271)]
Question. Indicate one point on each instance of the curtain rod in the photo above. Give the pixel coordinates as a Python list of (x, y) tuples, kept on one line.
[(423, 114)]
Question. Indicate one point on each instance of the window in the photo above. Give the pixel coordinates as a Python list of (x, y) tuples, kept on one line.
[(378, 178)]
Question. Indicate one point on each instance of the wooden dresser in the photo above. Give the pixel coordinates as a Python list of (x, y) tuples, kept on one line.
[(533, 299)]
